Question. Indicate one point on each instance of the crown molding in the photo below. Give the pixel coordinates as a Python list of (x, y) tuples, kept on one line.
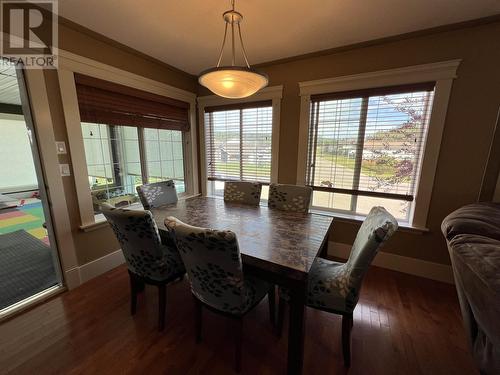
[(389, 77)]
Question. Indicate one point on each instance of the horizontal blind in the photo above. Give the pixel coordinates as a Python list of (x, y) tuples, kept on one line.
[(238, 142), (104, 102), (368, 142)]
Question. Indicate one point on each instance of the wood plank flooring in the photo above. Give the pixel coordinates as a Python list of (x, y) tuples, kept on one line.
[(402, 325)]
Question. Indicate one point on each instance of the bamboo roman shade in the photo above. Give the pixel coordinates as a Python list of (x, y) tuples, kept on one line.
[(369, 142), (105, 102), (238, 142)]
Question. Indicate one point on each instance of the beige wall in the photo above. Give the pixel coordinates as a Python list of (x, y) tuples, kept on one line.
[(472, 112), (471, 117), (95, 244)]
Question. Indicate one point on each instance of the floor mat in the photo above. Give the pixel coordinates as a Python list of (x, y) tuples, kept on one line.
[(29, 217), (26, 267)]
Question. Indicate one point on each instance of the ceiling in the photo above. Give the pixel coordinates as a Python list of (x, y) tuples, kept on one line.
[(188, 33)]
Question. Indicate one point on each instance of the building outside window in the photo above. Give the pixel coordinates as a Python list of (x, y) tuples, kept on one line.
[(365, 148)]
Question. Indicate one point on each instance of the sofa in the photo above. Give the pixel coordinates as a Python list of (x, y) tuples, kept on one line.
[(473, 237)]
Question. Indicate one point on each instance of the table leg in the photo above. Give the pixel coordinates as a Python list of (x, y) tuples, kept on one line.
[(296, 331), (323, 252)]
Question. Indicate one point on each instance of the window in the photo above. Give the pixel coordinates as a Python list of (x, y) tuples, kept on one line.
[(365, 148), (130, 137), (164, 156), (238, 144), (115, 166)]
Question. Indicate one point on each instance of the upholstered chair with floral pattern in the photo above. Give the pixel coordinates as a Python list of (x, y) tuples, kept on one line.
[(150, 259), (157, 194), (334, 287), (289, 197), (242, 192), (213, 263)]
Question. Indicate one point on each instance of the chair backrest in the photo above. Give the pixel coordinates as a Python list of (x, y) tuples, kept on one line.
[(213, 263), (289, 197), (157, 194), (144, 252), (377, 228), (242, 192)]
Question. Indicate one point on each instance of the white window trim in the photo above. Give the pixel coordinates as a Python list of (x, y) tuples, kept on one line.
[(273, 93), (442, 73), (69, 64)]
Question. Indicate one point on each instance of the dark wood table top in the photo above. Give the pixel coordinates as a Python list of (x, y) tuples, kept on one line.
[(272, 240)]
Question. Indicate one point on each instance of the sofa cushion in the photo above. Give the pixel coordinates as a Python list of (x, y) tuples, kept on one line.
[(473, 236), (478, 218)]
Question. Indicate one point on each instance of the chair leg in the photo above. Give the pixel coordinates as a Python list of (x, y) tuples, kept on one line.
[(162, 304), (133, 292), (197, 318), (271, 296), (237, 344), (347, 323), (281, 316)]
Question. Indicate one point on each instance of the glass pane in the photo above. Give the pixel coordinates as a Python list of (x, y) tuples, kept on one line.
[(177, 150), (165, 156), (336, 143), (130, 133), (166, 152), (131, 150), (238, 144), (331, 200), (398, 208), (152, 150), (165, 135), (29, 256), (395, 127), (113, 163), (151, 134), (370, 143)]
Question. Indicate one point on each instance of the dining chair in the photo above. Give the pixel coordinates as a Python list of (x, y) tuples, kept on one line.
[(213, 263), (150, 259), (242, 192), (289, 197), (334, 287), (157, 194)]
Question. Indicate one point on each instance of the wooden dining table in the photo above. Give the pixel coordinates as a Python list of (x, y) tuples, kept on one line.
[(277, 246)]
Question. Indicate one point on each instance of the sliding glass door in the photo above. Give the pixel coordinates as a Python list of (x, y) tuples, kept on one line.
[(28, 258)]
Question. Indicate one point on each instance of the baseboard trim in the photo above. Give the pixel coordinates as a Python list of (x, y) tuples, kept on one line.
[(101, 265), (412, 266)]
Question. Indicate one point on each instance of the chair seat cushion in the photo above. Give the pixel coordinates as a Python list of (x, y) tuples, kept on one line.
[(253, 291), (328, 287)]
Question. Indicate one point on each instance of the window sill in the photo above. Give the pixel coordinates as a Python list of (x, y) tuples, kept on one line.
[(358, 219), (101, 222)]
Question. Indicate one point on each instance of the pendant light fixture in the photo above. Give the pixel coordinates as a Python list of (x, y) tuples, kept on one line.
[(233, 81)]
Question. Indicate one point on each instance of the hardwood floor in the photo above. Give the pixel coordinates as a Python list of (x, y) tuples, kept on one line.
[(402, 325)]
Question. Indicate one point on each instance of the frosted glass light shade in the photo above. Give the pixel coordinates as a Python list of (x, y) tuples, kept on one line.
[(233, 82)]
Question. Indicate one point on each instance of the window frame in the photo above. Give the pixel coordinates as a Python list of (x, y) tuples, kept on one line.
[(143, 160), (69, 64), (273, 93), (443, 73)]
